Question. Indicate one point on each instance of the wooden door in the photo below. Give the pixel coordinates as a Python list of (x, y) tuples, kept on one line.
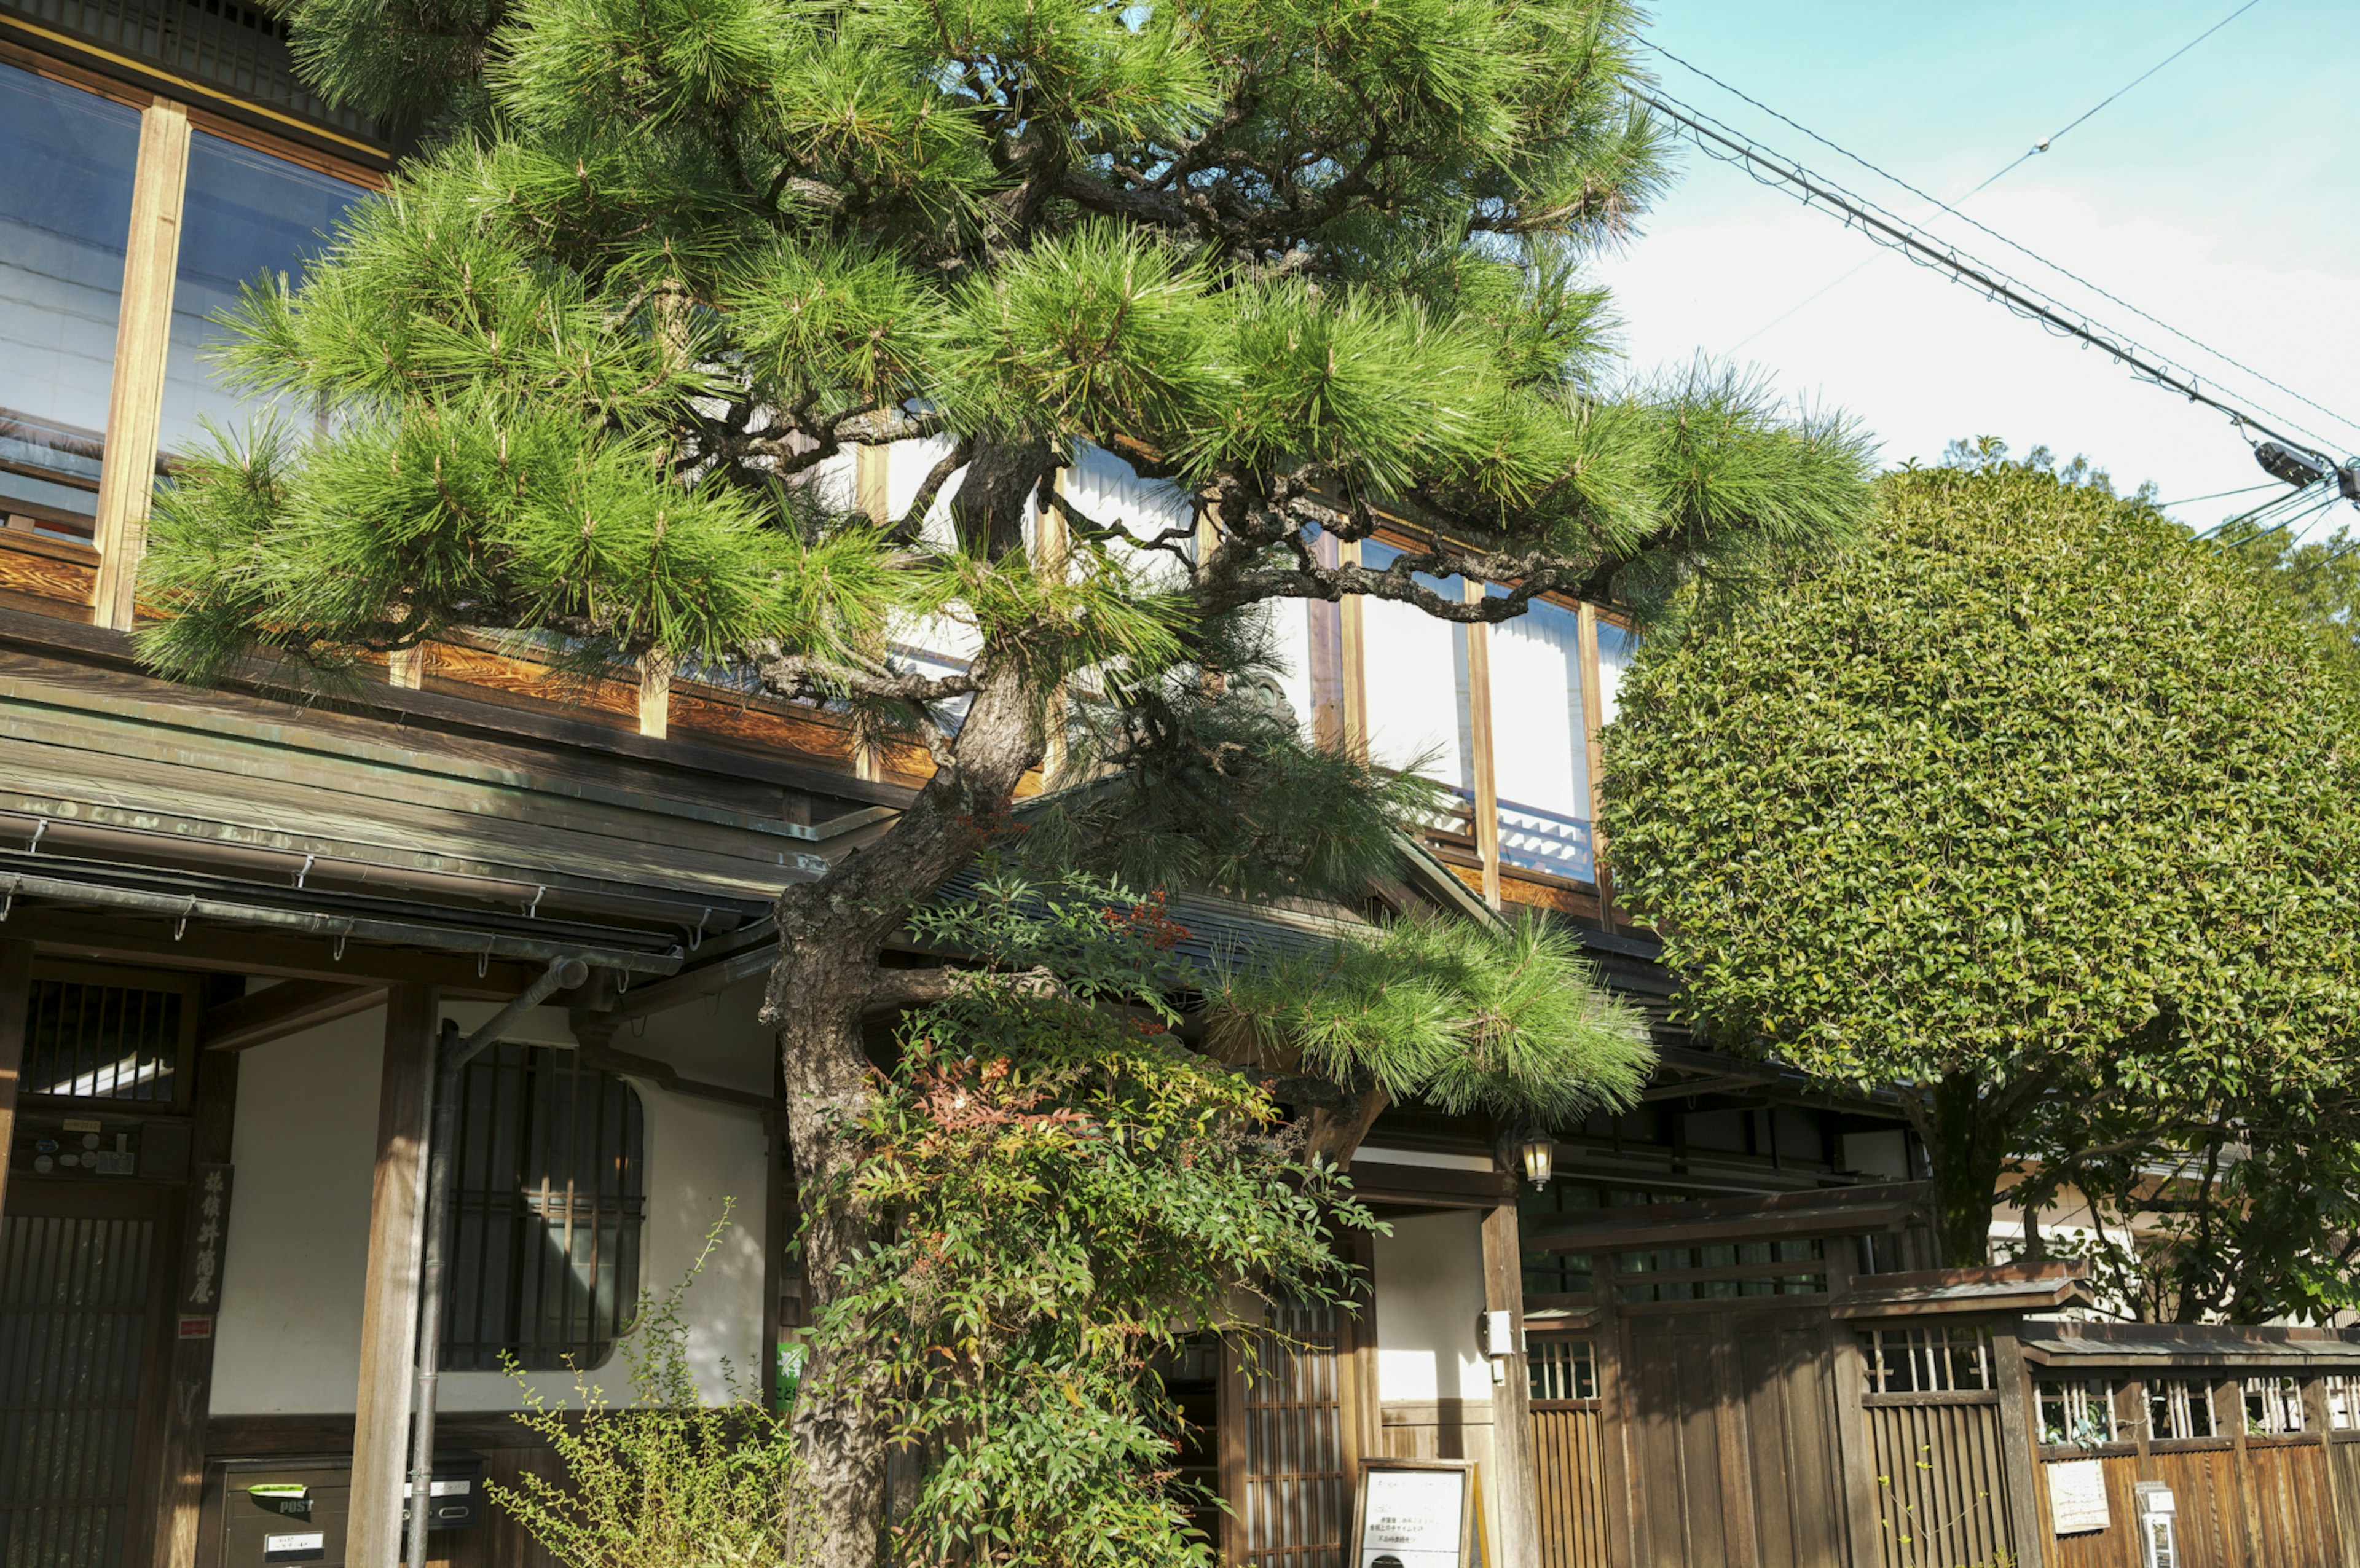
[(86, 1281), (1733, 1441)]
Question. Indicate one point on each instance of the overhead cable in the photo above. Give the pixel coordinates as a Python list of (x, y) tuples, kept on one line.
[(2043, 144), (2216, 496), (2061, 271), (1889, 229)]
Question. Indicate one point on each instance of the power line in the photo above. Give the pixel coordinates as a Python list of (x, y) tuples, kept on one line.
[(2287, 503), (2216, 496), (2044, 143), (1887, 228), (2061, 271)]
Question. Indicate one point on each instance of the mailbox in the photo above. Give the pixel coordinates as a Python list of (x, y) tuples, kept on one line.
[(297, 1511), (2158, 1518)]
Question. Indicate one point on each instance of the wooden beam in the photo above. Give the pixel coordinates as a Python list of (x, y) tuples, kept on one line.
[(389, 1305), (655, 695), (1593, 718), (1355, 670), (180, 1500), (1518, 1528), (288, 1008), (1478, 724), (16, 1007), (127, 480)]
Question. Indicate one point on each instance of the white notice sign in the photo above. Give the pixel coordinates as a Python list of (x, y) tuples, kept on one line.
[(2076, 1495), (1413, 1519)]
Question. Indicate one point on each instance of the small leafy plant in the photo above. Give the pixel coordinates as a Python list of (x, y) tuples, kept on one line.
[(666, 1481)]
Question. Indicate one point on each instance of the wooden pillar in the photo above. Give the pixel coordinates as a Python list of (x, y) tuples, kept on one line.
[(655, 695), (389, 1307), (134, 407), (1593, 719), (190, 1375), (1356, 670), (872, 470), (16, 1006), (2027, 1532), (1479, 727), (1517, 1530), (1855, 1452)]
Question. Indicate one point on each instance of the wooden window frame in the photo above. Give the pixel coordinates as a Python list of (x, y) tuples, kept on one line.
[(1493, 870), (144, 322)]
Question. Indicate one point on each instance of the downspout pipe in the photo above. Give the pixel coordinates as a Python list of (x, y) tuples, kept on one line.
[(452, 1054)]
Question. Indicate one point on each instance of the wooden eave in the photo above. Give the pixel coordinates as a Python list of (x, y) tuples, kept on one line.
[(1935, 1292), (2133, 1345)]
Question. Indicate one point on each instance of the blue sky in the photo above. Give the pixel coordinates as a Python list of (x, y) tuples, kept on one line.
[(2223, 196)]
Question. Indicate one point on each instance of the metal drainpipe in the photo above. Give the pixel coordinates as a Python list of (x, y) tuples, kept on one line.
[(451, 1054)]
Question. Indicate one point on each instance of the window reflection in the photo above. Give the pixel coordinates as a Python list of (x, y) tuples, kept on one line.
[(246, 215), (1615, 646), (1540, 741), (65, 215), (1416, 677)]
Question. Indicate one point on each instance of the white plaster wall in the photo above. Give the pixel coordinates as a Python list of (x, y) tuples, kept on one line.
[(1429, 1289), (1429, 1293), (288, 1335)]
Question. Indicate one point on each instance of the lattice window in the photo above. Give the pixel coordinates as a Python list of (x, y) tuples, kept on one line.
[(1725, 1271), (84, 1041), (2178, 1407), (2342, 1402), (1298, 1462), (2080, 1412), (2273, 1407), (1928, 1360), (550, 1200), (1561, 1368)]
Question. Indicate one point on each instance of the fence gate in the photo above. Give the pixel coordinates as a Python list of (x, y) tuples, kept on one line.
[(1721, 1396)]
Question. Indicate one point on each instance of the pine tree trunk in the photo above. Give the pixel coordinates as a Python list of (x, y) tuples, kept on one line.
[(825, 979)]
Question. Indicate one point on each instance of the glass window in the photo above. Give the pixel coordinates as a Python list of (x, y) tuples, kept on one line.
[(549, 1200), (65, 217), (1421, 715), (246, 215), (2342, 1402), (1540, 741)]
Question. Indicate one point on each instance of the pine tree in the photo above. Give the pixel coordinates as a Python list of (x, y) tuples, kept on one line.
[(660, 260)]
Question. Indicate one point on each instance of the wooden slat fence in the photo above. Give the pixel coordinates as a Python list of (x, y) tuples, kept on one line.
[(1566, 1437), (1941, 1493)]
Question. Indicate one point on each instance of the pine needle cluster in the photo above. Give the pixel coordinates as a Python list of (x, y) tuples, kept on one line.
[(663, 259)]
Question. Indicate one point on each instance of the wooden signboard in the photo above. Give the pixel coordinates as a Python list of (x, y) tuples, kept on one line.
[(1415, 1513), (2076, 1495)]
